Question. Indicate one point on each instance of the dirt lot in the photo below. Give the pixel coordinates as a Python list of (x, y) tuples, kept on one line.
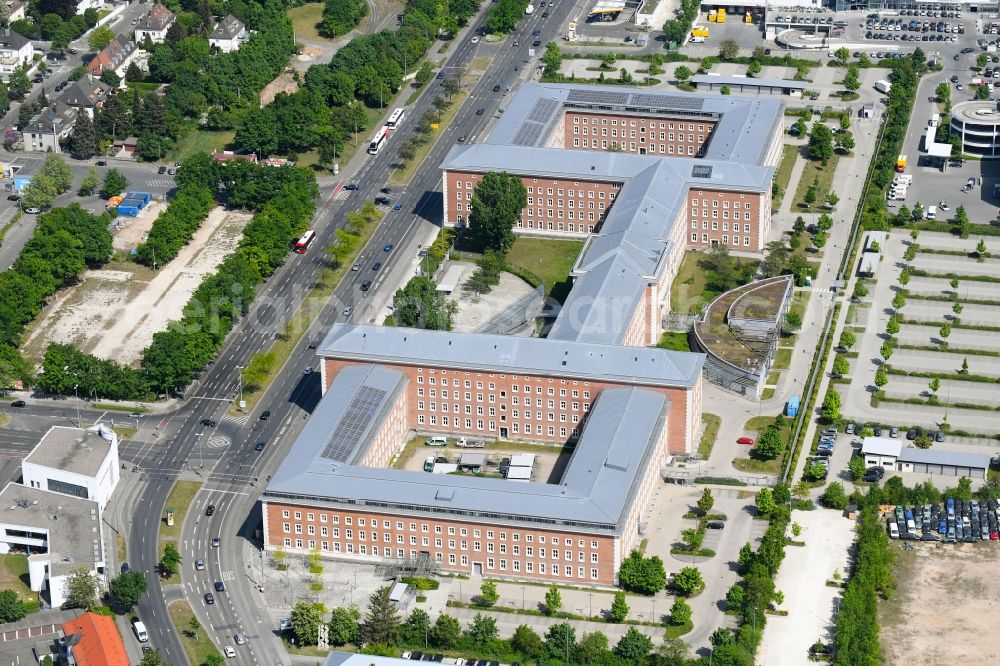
[(945, 607), (114, 312)]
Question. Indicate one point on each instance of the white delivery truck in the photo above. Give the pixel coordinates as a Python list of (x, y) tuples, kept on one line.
[(935, 120), (530, 9), (883, 86)]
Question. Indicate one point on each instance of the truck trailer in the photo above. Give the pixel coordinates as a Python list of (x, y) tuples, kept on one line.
[(883, 86)]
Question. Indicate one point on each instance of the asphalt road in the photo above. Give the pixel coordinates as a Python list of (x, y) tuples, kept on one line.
[(230, 484)]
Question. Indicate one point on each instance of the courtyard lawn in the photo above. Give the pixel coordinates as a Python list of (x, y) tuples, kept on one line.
[(784, 174), (691, 289), (551, 260), (14, 575), (674, 341), (198, 140), (823, 177)]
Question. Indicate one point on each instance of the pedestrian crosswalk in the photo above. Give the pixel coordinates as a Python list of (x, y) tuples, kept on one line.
[(160, 182), (341, 195)]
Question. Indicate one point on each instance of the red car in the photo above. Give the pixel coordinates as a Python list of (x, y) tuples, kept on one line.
[(745, 440)]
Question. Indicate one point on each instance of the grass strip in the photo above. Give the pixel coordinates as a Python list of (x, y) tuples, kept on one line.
[(197, 644), (405, 175)]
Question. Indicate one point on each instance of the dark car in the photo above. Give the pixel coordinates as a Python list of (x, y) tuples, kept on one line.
[(480, 112), (14, 197), (880, 471), (496, 88), (17, 403), (388, 247), (209, 598), (259, 447), (715, 525), (871, 477), (939, 437), (210, 510), (161, 170), (124, 567), (438, 658), (102, 163), (382, 201), (366, 285), (220, 586), (377, 265), (38, 79), (208, 423), (314, 344), (535, 33), (265, 415), (537, 42), (351, 186), (416, 656), (386, 190)]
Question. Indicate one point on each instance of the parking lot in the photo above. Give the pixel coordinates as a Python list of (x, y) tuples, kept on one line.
[(952, 521)]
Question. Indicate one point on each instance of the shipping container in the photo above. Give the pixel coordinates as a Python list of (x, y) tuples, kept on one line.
[(792, 409)]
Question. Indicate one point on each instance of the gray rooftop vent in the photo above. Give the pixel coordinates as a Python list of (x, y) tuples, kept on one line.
[(701, 171), (445, 494)]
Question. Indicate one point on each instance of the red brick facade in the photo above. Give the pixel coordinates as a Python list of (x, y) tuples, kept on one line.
[(518, 407), (663, 137), (736, 219)]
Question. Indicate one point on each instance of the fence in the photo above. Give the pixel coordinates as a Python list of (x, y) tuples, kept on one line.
[(519, 313)]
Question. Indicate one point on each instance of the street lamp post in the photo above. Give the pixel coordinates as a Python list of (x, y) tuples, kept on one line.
[(239, 377), (76, 394)]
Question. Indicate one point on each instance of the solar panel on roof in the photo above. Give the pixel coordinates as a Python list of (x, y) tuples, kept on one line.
[(701, 171), (597, 97), (346, 436), (668, 101), (543, 110), (528, 134)]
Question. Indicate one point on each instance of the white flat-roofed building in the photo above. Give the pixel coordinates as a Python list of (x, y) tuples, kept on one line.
[(76, 462), (881, 451)]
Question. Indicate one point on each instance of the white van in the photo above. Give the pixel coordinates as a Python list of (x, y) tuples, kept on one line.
[(140, 630), (932, 212), (437, 441), (893, 529)]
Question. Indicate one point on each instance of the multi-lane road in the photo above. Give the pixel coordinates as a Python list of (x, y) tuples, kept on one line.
[(231, 469)]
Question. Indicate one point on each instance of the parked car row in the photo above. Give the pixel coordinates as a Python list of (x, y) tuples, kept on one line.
[(957, 521), (893, 37)]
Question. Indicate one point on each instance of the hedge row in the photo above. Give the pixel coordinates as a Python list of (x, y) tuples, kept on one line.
[(175, 226)]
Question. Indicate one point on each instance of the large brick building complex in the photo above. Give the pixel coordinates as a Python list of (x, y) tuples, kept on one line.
[(626, 409), (641, 177)]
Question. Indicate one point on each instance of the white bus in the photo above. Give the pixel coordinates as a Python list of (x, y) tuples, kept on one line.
[(396, 118), (378, 141)]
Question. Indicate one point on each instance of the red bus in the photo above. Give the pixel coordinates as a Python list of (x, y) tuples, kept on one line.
[(302, 244)]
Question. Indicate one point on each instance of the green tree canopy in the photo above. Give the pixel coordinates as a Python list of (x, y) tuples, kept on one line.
[(306, 617), (381, 624), (344, 626), (644, 575), (496, 205), (128, 588)]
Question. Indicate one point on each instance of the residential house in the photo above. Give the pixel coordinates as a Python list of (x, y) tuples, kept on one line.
[(93, 640), (155, 25), (84, 5), (48, 131), (224, 156), (15, 10), (229, 34), (15, 51), (86, 94), (115, 57)]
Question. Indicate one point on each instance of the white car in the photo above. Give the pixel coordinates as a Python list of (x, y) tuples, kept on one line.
[(475, 40), (199, 565), (308, 370), (230, 651)]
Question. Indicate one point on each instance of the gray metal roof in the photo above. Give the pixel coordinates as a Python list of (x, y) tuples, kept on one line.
[(741, 135), (351, 659), (486, 352), (942, 457), (595, 493), (228, 28), (612, 272)]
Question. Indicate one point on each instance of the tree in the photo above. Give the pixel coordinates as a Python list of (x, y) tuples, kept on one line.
[(769, 444), (496, 204), (56, 168), (755, 68), (860, 291), (420, 305), (416, 629), (634, 646), (856, 467), (214, 659), (725, 89), (923, 440), (560, 641), (832, 199), (881, 377), (809, 198), (898, 301), (706, 501), (834, 497), (820, 142), (728, 49), (83, 138), (90, 183), (764, 501), (171, 560), (683, 73), (644, 575), (381, 623), (965, 367), (593, 648), (722, 636), (100, 37), (39, 193), (344, 626), (447, 631), (851, 80), (193, 626), (553, 600), (845, 142), (687, 580), (526, 641), (830, 411), (619, 608), (793, 322), (934, 385), (735, 596), (483, 631), (128, 588), (81, 589), (488, 593), (111, 78), (552, 59), (847, 340), (815, 471), (151, 658), (680, 612), (885, 351), (11, 606), (841, 366), (114, 184), (945, 333), (981, 248), (892, 326), (305, 619)]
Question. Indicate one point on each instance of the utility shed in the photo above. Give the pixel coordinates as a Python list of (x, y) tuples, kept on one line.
[(452, 277)]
